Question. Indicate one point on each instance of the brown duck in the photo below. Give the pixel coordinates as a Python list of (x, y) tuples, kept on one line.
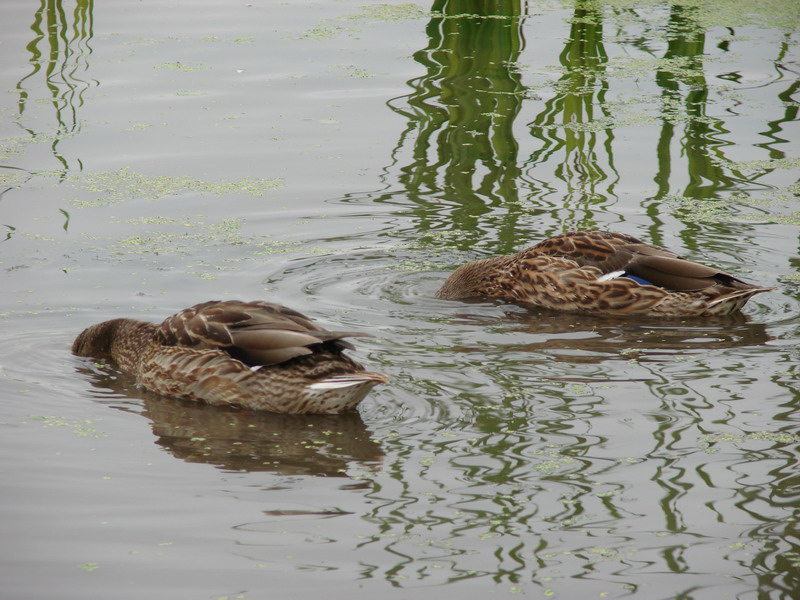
[(255, 355), (602, 272)]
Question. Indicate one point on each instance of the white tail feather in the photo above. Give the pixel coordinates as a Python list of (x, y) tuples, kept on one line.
[(340, 381), (610, 276)]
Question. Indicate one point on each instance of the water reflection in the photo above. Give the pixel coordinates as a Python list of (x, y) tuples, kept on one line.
[(459, 144), (60, 52), (582, 468), (702, 142), (557, 487), (458, 160), (321, 445), (579, 456), (595, 339), (244, 440), (574, 126)]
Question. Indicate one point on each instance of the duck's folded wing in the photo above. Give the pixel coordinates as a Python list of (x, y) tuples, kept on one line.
[(620, 254), (259, 333)]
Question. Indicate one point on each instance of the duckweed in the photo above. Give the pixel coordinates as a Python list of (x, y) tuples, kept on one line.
[(179, 66), (112, 187)]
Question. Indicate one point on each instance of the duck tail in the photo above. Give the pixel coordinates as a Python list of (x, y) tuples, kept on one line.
[(743, 295), (349, 380)]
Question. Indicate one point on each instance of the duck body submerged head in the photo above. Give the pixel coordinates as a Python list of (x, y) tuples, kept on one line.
[(255, 355), (605, 273)]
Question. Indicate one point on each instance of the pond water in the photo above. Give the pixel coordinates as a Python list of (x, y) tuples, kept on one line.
[(341, 157)]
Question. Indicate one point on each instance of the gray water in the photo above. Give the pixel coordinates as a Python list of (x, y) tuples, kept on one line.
[(341, 158)]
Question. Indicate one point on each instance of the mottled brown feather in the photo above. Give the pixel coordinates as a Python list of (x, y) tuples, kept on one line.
[(253, 354), (576, 272)]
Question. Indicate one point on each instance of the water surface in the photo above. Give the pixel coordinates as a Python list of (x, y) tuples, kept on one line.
[(341, 158)]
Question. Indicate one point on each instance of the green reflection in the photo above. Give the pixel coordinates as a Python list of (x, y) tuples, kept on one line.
[(574, 128), (775, 134), (458, 161), (561, 471), (713, 180), (702, 143), (59, 53), (459, 143)]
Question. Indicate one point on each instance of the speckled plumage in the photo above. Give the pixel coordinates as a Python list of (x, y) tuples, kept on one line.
[(590, 271), (256, 355)]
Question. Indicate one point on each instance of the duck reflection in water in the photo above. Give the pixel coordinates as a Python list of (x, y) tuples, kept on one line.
[(236, 439), (320, 445), (594, 339)]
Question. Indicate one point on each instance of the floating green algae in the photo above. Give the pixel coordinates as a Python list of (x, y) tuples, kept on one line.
[(15, 146), (216, 39), (735, 208), (762, 166), (705, 14), (780, 14), (774, 206), (80, 427), (792, 218), (679, 66), (355, 72), (179, 66), (12, 179), (775, 437), (209, 248), (113, 187), (388, 12), (375, 13), (196, 234), (154, 221), (323, 31), (701, 210)]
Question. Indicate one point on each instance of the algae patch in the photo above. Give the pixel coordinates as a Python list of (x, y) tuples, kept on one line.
[(13, 179), (762, 166), (80, 427), (355, 72), (375, 13), (113, 187), (208, 247), (388, 12), (697, 210), (779, 438), (701, 15), (775, 206), (184, 67), (195, 234)]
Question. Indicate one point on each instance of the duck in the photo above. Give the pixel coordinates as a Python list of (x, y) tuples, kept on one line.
[(605, 273), (255, 355)]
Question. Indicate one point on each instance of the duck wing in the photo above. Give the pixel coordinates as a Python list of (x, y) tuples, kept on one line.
[(618, 254), (257, 333)]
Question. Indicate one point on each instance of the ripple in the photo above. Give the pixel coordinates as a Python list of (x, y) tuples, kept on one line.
[(447, 359), (384, 295), (368, 290), (39, 356), (373, 284)]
